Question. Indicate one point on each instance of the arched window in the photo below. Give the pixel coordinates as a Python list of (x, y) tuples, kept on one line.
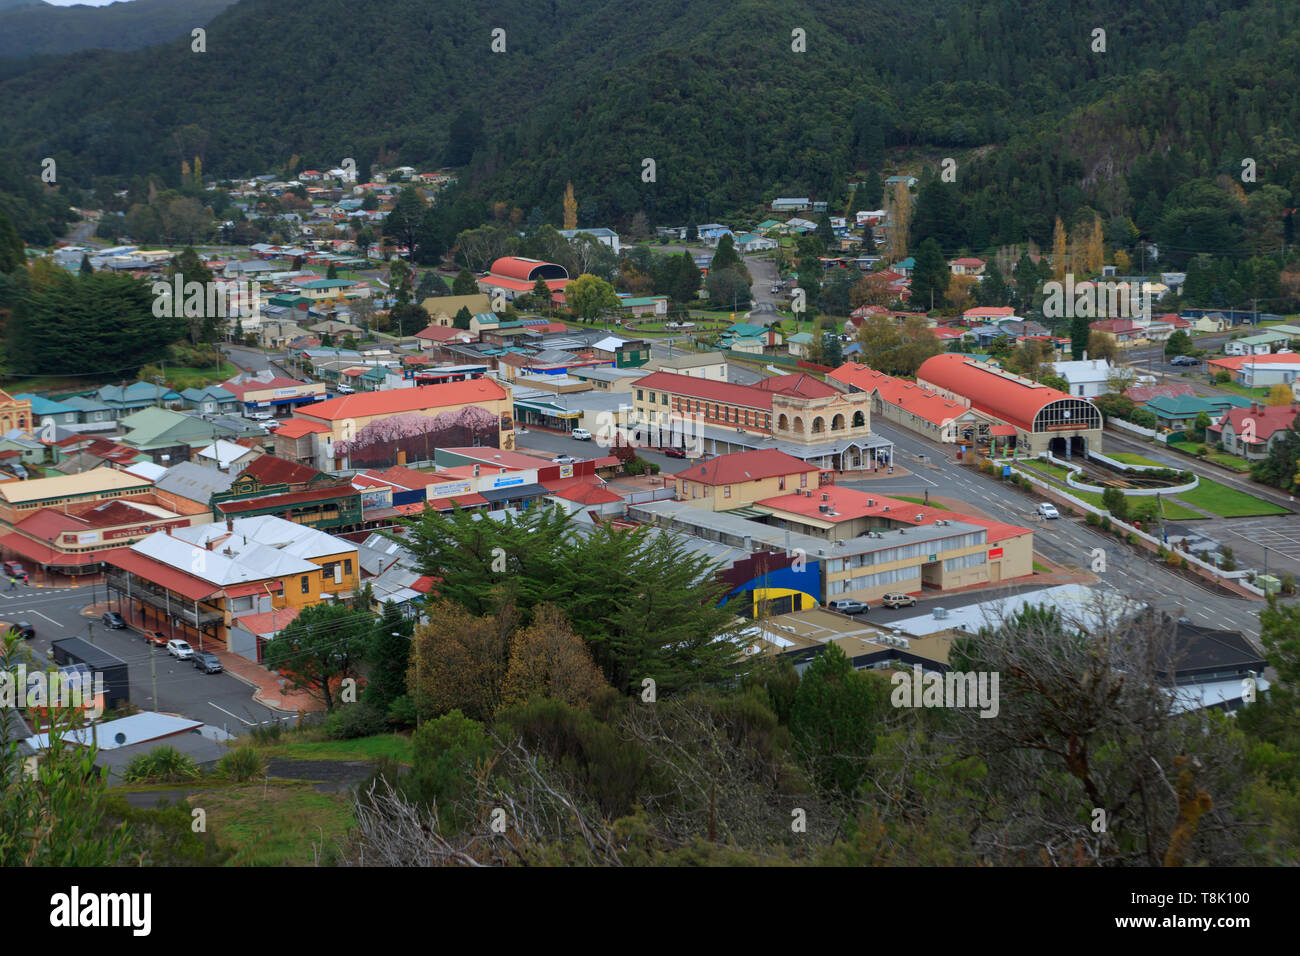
[(782, 423), (798, 425), (859, 420), (818, 425), (837, 423)]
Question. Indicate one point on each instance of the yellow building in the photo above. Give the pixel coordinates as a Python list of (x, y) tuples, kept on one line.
[(740, 479), (14, 412)]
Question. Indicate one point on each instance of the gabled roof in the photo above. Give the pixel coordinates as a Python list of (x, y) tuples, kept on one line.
[(743, 466), (270, 470), (909, 396), (298, 427), (707, 390), (797, 385), (1267, 420)]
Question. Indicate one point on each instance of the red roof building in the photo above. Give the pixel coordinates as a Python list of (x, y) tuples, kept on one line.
[(911, 405)]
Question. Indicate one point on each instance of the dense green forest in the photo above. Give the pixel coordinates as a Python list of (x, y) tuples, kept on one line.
[(31, 29), (1041, 121)]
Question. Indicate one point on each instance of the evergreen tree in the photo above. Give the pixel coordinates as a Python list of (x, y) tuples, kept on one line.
[(930, 277), (388, 657), (462, 318), (725, 256), (86, 268), (466, 283), (873, 191)]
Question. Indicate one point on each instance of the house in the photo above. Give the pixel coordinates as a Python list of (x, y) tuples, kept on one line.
[(706, 365), (606, 237), (1249, 432), (800, 344), (904, 268), (1209, 322), (752, 242), (124, 400), (267, 391), (275, 335), (1180, 412), (43, 412), (168, 436), (643, 304), (966, 266), (988, 313), (744, 337), (791, 204), (92, 414), (226, 456), (908, 181), (1259, 371), (210, 400), (711, 233), (1087, 378), (434, 335), (1262, 343), (1120, 331)]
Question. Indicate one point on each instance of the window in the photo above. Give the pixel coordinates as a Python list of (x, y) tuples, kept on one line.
[(726, 491), (780, 483), (639, 396), (347, 566), (306, 585), (803, 480)]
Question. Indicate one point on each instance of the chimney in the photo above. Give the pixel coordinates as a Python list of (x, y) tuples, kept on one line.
[(1255, 407), (230, 524)]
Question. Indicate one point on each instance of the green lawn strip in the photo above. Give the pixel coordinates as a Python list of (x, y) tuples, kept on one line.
[(1128, 458), (1217, 457), (921, 501), (1228, 502), (1172, 510), (395, 746), (186, 377)]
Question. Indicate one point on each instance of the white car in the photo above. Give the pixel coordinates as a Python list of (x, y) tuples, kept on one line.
[(180, 649), (272, 424), (344, 389), (581, 434), (1047, 510), (564, 460)]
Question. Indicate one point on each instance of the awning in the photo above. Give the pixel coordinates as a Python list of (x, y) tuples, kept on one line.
[(1003, 431), (43, 554), (493, 495)]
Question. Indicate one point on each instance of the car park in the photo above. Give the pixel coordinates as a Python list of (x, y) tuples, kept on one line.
[(180, 649), (1048, 510), (581, 434), (849, 607), (206, 661), (898, 599), (112, 620)]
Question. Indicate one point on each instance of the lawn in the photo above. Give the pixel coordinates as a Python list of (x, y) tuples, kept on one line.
[(294, 747), (183, 377), (921, 501), (276, 824), (1228, 502), (1128, 458), (1217, 457), (1172, 510)]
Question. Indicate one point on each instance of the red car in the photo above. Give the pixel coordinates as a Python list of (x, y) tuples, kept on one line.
[(157, 638), (675, 452)]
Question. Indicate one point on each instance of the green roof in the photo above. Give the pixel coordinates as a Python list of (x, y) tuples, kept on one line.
[(1189, 406)]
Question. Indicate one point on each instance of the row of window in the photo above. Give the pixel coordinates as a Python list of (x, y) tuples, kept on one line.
[(965, 561), (910, 575)]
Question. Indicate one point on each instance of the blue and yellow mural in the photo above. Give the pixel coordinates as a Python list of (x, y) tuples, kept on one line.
[(778, 583)]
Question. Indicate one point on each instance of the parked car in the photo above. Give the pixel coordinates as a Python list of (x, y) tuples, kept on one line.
[(24, 629), (344, 389), (206, 661), (179, 649), (564, 460), (113, 620), (157, 638), (15, 570), (581, 434), (273, 424), (846, 606), (1048, 510), (1184, 360), (898, 599), (260, 416), (675, 451)]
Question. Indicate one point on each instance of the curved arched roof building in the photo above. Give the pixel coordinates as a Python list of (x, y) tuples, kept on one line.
[(1045, 418)]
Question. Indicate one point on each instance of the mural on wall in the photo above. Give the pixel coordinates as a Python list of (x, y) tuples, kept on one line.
[(414, 437)]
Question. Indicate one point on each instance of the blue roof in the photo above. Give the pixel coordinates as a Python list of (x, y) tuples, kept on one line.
[(44, 406)]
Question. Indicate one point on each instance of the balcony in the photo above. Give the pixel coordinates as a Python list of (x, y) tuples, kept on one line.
[(157, 597)]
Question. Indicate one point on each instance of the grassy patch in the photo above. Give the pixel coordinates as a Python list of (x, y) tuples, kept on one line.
[(186, 377), (1041, 568), (1218, 457), (276, 824), (921, 501), (304, 747), (1128, 458), (1228, 502)]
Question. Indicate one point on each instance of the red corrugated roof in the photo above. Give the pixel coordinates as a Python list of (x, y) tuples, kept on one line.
[(398, 400), (160, 574), (705, 390), (515, 267), (42, 553), (298, 427), (270, 622), (270, 470), (909, 396), (851, 504), (588, 494), (286, 499), (1013, 400), (797, 384), (743, 466)]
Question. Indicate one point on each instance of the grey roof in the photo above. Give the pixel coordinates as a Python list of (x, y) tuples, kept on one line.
[(603, 374), (194, 481), (84, 403), (731, 529), (801, 450), (553, 356)]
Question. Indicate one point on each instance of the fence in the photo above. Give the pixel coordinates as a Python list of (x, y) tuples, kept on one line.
[(654, 494)]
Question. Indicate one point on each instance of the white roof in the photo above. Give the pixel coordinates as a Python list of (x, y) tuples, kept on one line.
[(1088, 370), (1078, 605), (610, 343), (146, 469), (258, 548), (136, 729), (225, 452)]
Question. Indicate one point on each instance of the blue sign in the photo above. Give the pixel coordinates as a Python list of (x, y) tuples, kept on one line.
[(1006, 471), (503, 482)]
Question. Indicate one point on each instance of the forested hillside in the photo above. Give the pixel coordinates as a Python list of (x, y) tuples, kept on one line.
[(1041, 124), (28, 29)]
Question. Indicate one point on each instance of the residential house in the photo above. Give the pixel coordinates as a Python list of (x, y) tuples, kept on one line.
[(1259, 371), (210, 400), (124, 400), (1249, 432), (738, 480), (966, 266), (1087, 378), (1179, 413), (606, 237)]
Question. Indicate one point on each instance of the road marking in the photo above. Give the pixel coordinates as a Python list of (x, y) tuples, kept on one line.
[(229, 714), (47, 617)]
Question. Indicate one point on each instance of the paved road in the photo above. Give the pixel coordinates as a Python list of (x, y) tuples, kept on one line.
[(216, 699), (1067, 542)]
